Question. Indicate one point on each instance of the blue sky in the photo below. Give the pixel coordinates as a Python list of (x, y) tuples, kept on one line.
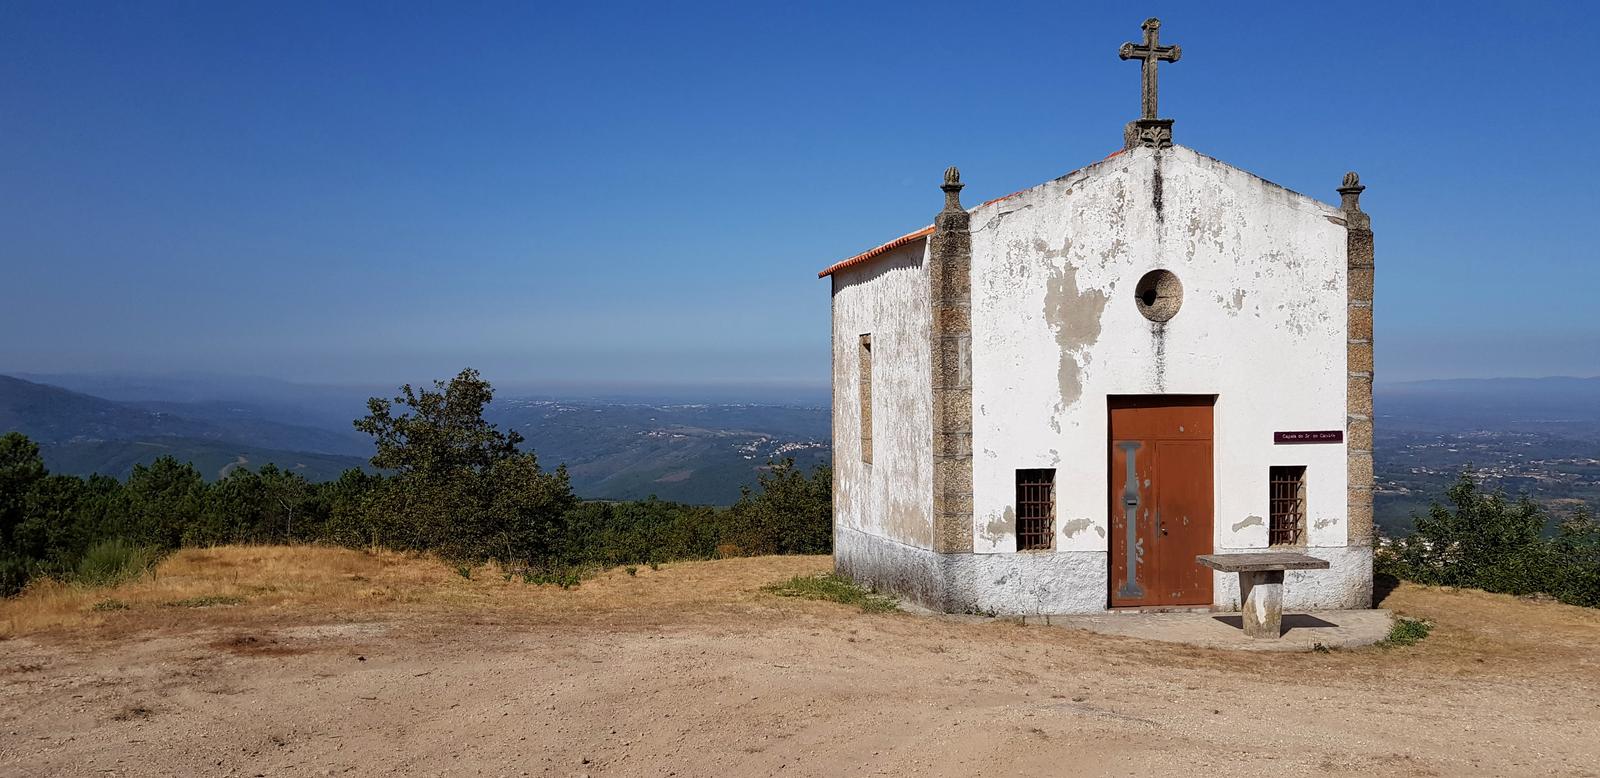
[(603, 192)]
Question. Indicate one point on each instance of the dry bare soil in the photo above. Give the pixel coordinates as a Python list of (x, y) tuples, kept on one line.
[(332, 662)]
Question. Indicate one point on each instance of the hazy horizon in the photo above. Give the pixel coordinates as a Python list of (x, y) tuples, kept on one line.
[(215, 385)]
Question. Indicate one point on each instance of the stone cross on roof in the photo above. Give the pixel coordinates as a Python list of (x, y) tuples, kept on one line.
[(1149, 130)]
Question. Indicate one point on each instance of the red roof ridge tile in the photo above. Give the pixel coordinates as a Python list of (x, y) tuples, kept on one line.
[(869, 254)]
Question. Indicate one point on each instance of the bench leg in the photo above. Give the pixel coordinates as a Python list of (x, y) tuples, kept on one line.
[(1262, 593)]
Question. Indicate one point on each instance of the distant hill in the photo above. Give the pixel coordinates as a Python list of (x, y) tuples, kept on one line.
[(1535, 436), (50, 414), (614, 449), (697, 453), (211, 457), (82, 434)]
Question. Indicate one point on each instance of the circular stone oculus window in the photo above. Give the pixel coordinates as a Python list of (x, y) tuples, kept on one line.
[(1158, 295)]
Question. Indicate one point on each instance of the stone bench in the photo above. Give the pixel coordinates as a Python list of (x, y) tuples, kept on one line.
[(1261, 584)]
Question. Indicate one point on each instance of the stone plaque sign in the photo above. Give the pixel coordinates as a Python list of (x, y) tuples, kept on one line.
[(1309, 436)]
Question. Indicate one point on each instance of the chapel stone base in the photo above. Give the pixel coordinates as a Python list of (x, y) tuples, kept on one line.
[(1066, 582)]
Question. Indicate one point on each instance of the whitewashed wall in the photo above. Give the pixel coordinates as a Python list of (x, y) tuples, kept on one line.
[(891, 498), (1055, 329)]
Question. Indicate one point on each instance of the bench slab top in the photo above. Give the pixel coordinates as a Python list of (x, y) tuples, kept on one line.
[(1261, 561)]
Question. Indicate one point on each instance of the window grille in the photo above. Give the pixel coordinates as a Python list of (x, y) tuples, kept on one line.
[(1288, 505), (1036, 509)]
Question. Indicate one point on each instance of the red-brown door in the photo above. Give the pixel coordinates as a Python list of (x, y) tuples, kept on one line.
[(1161, 504)]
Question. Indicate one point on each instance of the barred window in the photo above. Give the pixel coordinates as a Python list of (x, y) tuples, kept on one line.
[(1288, 505), (1036, 509)]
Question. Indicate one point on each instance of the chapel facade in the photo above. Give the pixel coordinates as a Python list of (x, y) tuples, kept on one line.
[(1052, 402)]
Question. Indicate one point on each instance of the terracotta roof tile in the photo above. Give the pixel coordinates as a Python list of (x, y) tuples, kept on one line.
[(879, 251)]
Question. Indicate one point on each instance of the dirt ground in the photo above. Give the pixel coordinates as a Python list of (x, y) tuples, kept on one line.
[(378, 664)]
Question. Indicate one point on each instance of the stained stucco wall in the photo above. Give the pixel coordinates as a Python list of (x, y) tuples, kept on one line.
[(892, 497), (1055, 329)]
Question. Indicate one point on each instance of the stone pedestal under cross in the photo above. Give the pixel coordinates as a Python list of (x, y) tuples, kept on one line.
[(1148, 130), (1261, 585)]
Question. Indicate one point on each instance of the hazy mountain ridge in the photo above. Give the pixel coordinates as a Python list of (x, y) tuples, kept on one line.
[(50, 414), (83, 434), (1540, 436), (699, 453), (688, 452)]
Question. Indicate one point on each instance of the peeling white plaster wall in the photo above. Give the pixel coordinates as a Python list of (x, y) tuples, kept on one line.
[(892, 497), (1055, 329)]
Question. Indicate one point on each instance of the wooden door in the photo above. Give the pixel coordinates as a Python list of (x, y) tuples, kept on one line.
[(1161, 502)]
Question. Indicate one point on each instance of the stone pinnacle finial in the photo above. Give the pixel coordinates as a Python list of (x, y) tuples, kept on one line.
[(952, 189), (1350, 193)]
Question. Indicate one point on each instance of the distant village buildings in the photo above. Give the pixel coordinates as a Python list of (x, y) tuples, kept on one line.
[(1053, 401)]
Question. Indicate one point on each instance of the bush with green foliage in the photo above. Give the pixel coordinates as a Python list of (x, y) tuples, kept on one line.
[(114, 561), (1407, 632), (789, 512), (1483, 540), (833, 588)]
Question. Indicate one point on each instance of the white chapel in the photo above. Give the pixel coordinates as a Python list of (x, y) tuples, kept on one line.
[(1054, 402)]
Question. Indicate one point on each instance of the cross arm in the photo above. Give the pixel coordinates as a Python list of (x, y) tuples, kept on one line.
[(1163, 53)]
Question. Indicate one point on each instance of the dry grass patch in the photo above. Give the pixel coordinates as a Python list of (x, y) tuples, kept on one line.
[(274, 576), (287, 580), (1469, 625)]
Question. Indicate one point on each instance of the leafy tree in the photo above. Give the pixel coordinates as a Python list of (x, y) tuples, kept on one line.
[(288, 504), (161, 502), (442, 430), (524, 510), (52, 531), (20, 468), (461, 487), (790, 513), (1575, 560), (347, 508), (1484, 541), (234, 509)]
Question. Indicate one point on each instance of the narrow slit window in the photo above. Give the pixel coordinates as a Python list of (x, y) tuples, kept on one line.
[(866, 398), (1288, 505), (1036, 509)]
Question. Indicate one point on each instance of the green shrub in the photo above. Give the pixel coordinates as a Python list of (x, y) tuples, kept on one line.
[(1407, 632), (205, 601), (569, 578), (1484, 540), (790, 512), (15, 571), (832, 587), (632, 569), (111, 562)]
